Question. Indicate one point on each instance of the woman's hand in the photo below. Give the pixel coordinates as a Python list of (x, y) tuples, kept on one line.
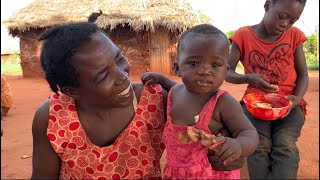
[(236, 164), (260, 81), (229, 151)]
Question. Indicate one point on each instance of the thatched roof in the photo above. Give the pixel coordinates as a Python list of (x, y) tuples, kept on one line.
[(138, 14)]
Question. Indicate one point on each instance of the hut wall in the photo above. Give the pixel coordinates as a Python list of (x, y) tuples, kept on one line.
[(30, 54), (173, 48), (134, 46)]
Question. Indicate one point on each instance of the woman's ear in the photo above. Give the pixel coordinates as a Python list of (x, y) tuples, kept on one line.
[(176, 69), (70, 91)]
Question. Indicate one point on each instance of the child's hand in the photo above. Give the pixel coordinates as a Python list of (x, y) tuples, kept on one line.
[(229, 151), (295, 101), (150, 78), (260, 81)]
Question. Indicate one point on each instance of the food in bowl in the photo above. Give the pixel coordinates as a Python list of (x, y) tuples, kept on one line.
[(266, 106), (262, 105)]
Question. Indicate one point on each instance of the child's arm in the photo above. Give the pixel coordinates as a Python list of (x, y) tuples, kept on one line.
[(302, 77), (157, 78), (244, 138), (258, 80)]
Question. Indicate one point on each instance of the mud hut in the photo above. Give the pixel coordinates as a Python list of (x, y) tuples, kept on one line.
[(146, 31)]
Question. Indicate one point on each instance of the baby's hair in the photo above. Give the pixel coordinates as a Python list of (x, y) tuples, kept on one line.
[(300, 1), (205, 29), (60, 44)]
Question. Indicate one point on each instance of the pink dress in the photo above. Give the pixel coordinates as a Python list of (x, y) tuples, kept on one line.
[(189, 161)]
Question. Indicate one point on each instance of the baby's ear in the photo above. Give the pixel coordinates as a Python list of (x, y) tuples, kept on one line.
[(176, 68)]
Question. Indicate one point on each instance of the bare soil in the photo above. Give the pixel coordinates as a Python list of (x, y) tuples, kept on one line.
[(28, 94)]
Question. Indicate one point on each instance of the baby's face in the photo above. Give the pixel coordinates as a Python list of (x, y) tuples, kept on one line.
[(202, 62)]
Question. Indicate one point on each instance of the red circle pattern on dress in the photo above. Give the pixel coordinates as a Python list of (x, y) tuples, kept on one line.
[(135, 154)]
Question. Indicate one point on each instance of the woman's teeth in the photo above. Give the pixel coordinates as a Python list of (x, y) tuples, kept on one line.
[(125, 92)]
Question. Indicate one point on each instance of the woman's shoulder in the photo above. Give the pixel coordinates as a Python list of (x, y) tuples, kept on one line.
[(41, 119)]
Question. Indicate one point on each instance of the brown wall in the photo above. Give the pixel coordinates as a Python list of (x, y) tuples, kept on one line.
[(134, 46), (30, 54)]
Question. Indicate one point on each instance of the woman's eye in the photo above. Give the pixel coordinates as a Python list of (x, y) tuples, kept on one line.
[(104, 76)]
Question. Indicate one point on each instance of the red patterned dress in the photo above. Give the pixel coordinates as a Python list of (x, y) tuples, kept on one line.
[(134, 155)]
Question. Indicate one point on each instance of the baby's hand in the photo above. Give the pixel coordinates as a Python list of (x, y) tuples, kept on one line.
[(211, 141), (229, 151), (150, 78), (191, 135)]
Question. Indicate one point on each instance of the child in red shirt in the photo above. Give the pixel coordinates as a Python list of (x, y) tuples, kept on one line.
[(272, 54)]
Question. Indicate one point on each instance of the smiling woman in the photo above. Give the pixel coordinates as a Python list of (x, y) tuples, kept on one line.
[(92, 126)]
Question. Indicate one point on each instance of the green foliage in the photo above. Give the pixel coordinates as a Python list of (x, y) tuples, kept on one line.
[(312, 61), (230, 33), (10, 68), (204, 18), (311, 43), (12, 65)]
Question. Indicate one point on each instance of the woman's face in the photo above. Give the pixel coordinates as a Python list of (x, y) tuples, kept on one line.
[(103, 73), (202, 62)]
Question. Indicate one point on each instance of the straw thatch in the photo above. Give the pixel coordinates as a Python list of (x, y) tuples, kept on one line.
[(138, 14)]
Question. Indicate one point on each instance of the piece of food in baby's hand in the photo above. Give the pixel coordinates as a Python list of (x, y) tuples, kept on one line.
[(184, 138), (263, 105), (196, 119), (207, 139), (189, 136)]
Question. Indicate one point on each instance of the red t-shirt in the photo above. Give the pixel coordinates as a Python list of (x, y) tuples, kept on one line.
[(275, 59)]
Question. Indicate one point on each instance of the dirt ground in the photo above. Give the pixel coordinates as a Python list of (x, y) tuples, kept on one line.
[(28, 94)]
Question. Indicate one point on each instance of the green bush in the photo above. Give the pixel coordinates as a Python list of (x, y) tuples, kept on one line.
[(10, 68), (312, 61)]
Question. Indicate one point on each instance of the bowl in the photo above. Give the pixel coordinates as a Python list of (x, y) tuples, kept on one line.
[(266, 106)]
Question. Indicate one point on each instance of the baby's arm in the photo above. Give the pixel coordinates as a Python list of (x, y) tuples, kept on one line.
[(157, 78), (244, 140)]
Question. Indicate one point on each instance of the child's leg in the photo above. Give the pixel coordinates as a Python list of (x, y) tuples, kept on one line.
[(259, 163), (285, 154)]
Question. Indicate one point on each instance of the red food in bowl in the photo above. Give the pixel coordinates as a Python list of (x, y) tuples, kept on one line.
[(264, 106)]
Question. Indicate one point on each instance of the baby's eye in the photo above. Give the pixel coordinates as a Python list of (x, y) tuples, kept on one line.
[(193, 63), (216, 65)]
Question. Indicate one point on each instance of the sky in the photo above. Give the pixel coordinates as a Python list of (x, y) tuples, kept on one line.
[(227, 15)]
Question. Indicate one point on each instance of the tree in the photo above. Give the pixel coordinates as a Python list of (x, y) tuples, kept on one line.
[(230, 33), (311, 44), (204, 18)]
